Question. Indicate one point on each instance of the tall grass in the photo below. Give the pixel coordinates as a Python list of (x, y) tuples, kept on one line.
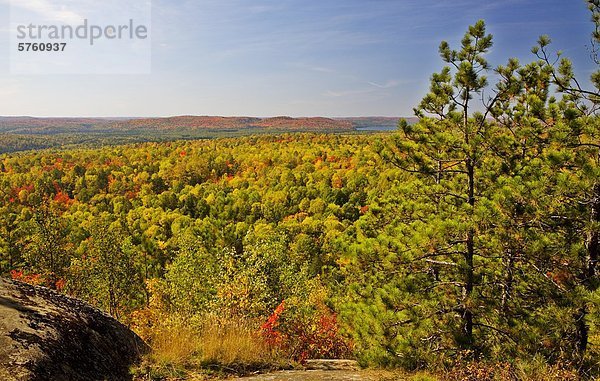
[(175, 345), (233, 343), (210, 344)]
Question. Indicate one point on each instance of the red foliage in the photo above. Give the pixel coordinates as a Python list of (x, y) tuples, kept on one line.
[(56, 187), (16, 274), (15, 192), (304, 340), (37, 280), (131, 194), (62, 198), (320, 341), (34, 279), (28, 188), (269, 328), (60, 284)]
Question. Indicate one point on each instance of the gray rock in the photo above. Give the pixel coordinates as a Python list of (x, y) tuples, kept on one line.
[(48, 336)]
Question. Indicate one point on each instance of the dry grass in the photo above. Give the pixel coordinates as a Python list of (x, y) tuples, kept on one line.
[(191, 350), (232, 343), (175, 346), (396, 375), (538, 370)]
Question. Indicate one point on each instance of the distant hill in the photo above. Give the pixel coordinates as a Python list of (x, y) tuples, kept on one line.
[(30, 125), (376, 123), (190, 124), (28, 133), (310, 124), (219, 123)]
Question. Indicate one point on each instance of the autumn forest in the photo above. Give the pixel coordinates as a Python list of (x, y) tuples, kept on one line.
[(465, 244)]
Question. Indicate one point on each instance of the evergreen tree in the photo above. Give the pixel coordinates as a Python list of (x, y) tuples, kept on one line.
[(447, 150), (577, 151)]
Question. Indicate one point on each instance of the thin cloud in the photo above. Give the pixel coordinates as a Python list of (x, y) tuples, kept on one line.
[(322, 69), (338, 94), (49, 10), (317, 68), (375, 87), (387, 85)]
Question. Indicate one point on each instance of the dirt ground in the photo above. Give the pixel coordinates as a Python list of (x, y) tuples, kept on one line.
[(327, 375)]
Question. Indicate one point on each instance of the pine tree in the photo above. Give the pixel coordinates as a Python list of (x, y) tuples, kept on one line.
[(447, 150), (579, 143)]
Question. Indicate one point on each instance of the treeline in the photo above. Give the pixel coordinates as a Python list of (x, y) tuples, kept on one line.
[(10, 143)]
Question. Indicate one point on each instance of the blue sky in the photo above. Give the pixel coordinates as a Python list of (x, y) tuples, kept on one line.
[(295, 57)]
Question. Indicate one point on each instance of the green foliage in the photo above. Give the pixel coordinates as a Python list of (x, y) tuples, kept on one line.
[(192, 278), (485, 249), (244, 285), (105, 271), (47, 250)]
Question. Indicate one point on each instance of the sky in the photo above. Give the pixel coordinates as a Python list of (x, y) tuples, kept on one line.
[(264, 58)]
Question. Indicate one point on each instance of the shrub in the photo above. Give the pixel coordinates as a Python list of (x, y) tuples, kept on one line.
[(317, 336), (536, 369)]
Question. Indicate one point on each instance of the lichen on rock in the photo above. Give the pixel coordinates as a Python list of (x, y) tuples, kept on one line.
[(48, 336)]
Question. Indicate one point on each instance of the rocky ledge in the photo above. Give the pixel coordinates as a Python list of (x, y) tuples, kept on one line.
[(48, 336)]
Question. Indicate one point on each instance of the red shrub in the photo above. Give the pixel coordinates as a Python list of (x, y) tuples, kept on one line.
[(269, 328), (34, 279), (302, 340), (37, 280)]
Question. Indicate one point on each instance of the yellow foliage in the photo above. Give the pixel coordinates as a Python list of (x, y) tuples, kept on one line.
[(233, 342)]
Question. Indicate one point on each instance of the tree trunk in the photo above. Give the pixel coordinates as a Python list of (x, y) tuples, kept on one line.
[(507, 287), (582, 330), (469, 271), (593, 242), (589, 273)]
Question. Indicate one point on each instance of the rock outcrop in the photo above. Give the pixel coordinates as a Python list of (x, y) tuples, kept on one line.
[(48, 336)]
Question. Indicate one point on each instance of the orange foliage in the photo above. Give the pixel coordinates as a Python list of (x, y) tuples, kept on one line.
[(37, 280), (269, 328), (34, 279), (305, 341), (60, 284), (63, 198)]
